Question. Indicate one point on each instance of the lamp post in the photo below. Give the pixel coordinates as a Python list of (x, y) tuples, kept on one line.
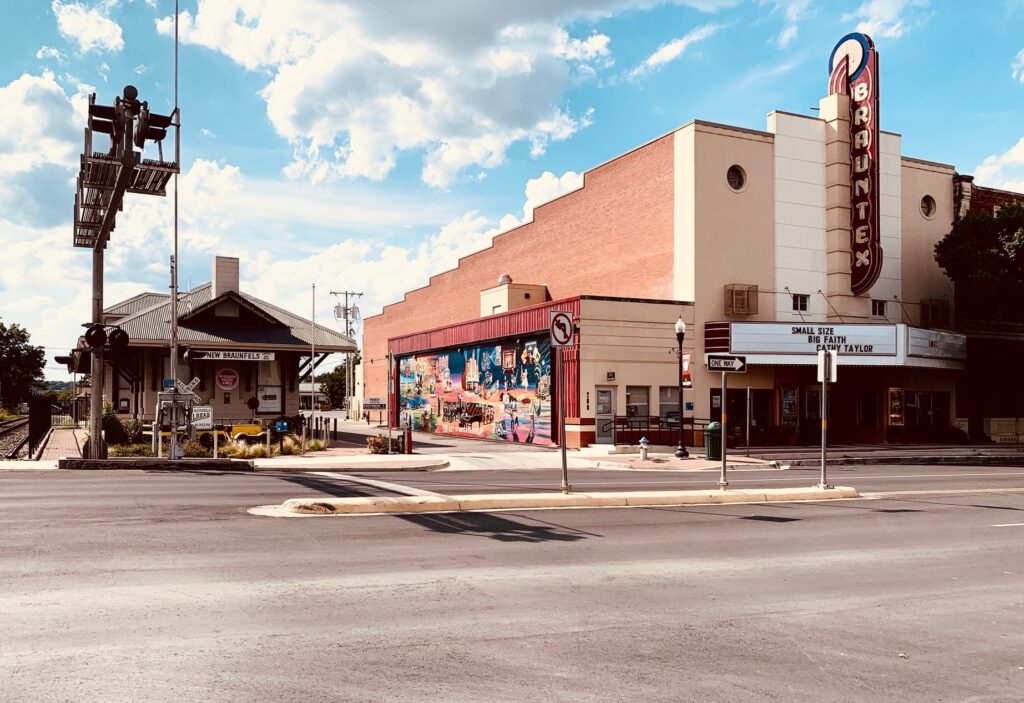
[(681, 452)]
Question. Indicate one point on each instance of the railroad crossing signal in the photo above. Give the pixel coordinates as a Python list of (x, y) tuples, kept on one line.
[(727, 363)]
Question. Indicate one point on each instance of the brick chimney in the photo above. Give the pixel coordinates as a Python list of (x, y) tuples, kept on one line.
[(225, 275)]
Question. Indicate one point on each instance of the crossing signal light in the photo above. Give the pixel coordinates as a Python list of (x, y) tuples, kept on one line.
[(119, 339), (95, 336), (150, 126)]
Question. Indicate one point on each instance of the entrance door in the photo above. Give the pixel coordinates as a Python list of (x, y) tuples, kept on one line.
[(604, 414)]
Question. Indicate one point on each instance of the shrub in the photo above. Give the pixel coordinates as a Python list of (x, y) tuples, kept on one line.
[(195, 450), (134, 449), (317, 445), (113, 430), (379, 444), (134, 429)]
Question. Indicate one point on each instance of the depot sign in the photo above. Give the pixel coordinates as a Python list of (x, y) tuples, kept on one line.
[(853, 69)]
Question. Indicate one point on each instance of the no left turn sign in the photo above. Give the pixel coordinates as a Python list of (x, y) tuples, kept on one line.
[(561, 328)]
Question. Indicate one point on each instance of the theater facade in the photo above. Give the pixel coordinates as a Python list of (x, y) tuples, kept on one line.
[(816, 232)]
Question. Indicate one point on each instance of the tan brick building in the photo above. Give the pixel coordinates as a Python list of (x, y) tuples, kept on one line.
[(747, 235)]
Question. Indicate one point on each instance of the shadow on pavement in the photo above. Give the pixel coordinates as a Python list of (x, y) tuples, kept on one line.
[(494, 527), (338, 489)]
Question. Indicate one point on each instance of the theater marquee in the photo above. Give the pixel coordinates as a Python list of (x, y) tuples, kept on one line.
[(853, 71)]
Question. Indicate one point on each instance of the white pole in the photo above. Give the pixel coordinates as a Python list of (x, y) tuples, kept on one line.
[(387, 404), (312, 368), (722, 482), (174, 453)]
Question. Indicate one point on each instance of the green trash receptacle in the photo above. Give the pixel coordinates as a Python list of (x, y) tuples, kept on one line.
[(713, 441)]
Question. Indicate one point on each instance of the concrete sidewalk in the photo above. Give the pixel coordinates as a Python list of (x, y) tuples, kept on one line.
[(63, 443), (438, 503)]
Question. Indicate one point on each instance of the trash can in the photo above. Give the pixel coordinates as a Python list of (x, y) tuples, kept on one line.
[(713, 441)]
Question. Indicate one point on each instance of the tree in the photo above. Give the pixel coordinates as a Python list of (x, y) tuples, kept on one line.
[(21, 364), (332, 385), (984, 256)]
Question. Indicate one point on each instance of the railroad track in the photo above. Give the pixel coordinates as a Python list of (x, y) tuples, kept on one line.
[(13, 438)]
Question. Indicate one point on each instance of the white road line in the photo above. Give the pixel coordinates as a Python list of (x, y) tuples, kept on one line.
[(1011, 524), (383, 485)]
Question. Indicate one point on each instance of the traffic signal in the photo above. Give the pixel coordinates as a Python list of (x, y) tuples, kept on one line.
[(95, 336)]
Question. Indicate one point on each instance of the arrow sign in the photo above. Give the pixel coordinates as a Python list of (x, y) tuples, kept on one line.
[(729, 364), (561, 328)]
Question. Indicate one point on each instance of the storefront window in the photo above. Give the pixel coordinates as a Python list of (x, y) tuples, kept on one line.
[(668, 403), (812, 405), (638, 401)]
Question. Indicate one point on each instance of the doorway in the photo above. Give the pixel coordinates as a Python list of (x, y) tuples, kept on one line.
[(604, 414)]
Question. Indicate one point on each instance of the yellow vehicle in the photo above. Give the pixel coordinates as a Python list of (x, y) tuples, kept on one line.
[(245, 431)]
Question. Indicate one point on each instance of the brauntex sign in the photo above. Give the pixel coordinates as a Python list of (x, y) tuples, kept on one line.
[(853, 71)]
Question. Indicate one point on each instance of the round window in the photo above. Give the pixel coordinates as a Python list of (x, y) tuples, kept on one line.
[(736, 177), (928, 206)]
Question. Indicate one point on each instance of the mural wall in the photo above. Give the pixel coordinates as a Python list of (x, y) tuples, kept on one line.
[(500, 390)]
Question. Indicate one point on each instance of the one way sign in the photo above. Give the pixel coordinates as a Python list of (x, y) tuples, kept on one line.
[(727, 363)]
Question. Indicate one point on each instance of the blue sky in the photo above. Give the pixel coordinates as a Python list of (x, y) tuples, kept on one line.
[(368, 144)]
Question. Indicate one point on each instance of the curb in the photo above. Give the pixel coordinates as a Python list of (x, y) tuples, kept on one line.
[(153, 464), (967, 460), (350, 468), (296, 507)]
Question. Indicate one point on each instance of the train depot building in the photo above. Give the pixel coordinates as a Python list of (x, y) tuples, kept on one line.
[(814, 233), (242, 350)]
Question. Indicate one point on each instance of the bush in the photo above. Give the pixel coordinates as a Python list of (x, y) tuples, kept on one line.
[(379, 444), (317, 445), (113, 430), (134, 449), (241, 450), (195, 450), (134, 429)]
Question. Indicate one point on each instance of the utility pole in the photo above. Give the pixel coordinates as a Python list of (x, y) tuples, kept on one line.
[(349, 331)]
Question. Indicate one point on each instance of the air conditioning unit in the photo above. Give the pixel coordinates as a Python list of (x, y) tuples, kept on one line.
[(740, 299)]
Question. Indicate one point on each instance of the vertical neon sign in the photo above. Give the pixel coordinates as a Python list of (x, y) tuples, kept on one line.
[(853, 71)]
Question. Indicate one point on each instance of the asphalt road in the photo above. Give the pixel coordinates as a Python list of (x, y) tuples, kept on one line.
[(144, 587)]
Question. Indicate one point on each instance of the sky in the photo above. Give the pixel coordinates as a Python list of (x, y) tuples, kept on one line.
[(366, 145)]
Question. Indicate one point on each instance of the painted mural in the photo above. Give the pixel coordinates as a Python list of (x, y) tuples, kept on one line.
[(500, 391)]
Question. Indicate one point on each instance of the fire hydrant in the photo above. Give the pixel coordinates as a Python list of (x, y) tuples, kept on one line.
[(644, 444)]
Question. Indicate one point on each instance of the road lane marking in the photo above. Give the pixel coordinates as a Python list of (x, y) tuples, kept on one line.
[(1011, 524), (383, 485)]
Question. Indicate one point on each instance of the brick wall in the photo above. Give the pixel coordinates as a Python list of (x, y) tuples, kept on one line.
[(614, 236)]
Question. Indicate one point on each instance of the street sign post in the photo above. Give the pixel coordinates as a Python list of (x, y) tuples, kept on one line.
[(563, 334), (828, 361), (727, 364)]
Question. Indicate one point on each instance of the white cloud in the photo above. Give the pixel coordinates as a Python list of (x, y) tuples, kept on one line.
[(1018, 66), (546, 188), (795, 11), (666, 53), (48, 52), (1005, 170), (890, 19), (91, 28), (141, 69), (462, 87), (207, 133)]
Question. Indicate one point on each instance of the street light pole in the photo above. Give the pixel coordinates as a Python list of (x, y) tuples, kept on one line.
[(681, 452)]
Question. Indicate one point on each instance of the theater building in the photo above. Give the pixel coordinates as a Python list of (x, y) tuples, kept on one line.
[(243, 350), (816, 232)]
